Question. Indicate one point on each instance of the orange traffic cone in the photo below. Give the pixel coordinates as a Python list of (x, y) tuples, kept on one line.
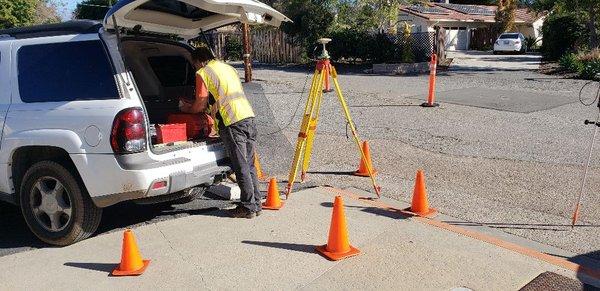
[(259, 173), (131, 259), (273, 201), (420, 205), (338, 247), (362, 168)]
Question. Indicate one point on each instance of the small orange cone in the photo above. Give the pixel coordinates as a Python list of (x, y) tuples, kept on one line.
[(259, 173), (362, 168), (420, 205), (338, 247), (131, 259), (273, 201)]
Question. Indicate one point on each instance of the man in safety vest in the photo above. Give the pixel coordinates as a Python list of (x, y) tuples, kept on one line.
[(218, 88)]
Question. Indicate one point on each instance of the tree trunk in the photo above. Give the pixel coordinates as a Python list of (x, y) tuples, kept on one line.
[(247, 53), (592, 27)]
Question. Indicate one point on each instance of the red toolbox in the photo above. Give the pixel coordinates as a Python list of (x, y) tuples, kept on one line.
[(197, 125), (166, 133)]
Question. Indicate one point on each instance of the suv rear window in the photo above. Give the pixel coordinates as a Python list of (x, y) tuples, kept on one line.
[(66, 71), (509, 36), (172, 71)]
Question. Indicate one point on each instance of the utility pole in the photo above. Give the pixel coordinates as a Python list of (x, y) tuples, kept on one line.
[(247, 55)]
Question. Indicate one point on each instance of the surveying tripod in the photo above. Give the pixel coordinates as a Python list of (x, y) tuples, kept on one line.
[(308, 128)]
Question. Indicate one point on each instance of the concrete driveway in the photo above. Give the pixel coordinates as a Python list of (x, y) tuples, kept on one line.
[(477, 60)]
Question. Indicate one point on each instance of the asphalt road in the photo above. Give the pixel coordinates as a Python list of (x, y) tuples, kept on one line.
[(487, 160), (504, 149)]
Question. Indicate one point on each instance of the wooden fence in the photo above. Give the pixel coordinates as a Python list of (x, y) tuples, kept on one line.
[(268, 46)]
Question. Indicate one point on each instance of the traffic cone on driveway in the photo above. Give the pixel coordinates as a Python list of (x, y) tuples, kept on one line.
[(363, 171), (131, 259), (338, 246), (420, 203), (273, 201)]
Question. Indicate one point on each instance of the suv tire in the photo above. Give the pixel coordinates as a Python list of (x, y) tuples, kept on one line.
[(56, 206)]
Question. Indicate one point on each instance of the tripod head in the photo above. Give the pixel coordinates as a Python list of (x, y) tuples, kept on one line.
[(325, 54)]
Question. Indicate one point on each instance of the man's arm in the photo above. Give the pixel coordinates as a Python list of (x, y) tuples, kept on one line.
[(201, 101)]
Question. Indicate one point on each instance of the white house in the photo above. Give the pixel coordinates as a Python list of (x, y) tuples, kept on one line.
[(461, 20)]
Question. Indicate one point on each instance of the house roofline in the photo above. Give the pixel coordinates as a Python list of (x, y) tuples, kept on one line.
[(415, 14)]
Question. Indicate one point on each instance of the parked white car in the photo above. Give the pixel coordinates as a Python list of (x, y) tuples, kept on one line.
[(510, 42), (77, 102)]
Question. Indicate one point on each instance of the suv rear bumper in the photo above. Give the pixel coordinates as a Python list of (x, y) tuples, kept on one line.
[(108, 181), (175, 182)]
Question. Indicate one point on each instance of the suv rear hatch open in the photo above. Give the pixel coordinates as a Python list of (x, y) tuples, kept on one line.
[(161, 66), (188, 18)]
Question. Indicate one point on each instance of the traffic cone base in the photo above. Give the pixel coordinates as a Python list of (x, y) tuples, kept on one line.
[(265, 206), (337, 256), (364, 174), (116, 272), (430, 105), (430, 213), (273, 201)]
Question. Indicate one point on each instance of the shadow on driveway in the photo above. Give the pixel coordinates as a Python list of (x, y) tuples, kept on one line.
[(16, 236)]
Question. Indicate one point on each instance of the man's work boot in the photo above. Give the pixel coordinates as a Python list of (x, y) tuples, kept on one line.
[(241, 212)]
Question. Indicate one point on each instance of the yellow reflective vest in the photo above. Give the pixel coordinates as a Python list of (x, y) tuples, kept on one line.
[(224, 84)]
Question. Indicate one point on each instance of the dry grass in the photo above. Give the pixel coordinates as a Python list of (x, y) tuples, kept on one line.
[(592, 55)]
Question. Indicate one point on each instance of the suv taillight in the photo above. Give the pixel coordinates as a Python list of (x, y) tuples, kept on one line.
[(128, 133)]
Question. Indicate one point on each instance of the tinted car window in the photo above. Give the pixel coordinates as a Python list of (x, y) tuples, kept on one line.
[(66, 71), (172, 71), (178, 8), (509, 36)]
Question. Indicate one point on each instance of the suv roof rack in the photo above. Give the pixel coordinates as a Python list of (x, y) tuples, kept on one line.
[(65, 28)]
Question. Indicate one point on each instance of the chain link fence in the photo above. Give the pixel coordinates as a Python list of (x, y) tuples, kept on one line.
[(416, 47)]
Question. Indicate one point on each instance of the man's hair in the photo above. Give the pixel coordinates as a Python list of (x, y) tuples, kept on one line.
[(202, 54)]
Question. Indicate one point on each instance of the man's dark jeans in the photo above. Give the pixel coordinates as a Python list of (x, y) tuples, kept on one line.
[(240, 140)]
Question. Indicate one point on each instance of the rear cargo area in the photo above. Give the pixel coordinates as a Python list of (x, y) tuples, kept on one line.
[(164, 74)]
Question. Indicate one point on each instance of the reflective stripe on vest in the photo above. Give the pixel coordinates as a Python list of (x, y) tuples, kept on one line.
[(224, 84)]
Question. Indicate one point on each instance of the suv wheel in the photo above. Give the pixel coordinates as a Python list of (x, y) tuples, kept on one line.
[(55, 206)]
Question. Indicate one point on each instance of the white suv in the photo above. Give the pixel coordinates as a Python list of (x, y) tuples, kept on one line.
[(78, 100)]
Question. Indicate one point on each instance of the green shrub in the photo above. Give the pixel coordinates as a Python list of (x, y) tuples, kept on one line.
[(350, 44), (590, 69), (360, 46), (384, 49), (570, 62), (585, 64), (562, 33), (531, 43), (590, 64), (233, 48)]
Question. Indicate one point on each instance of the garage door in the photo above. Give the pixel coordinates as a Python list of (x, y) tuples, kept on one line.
[(457, 38)]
